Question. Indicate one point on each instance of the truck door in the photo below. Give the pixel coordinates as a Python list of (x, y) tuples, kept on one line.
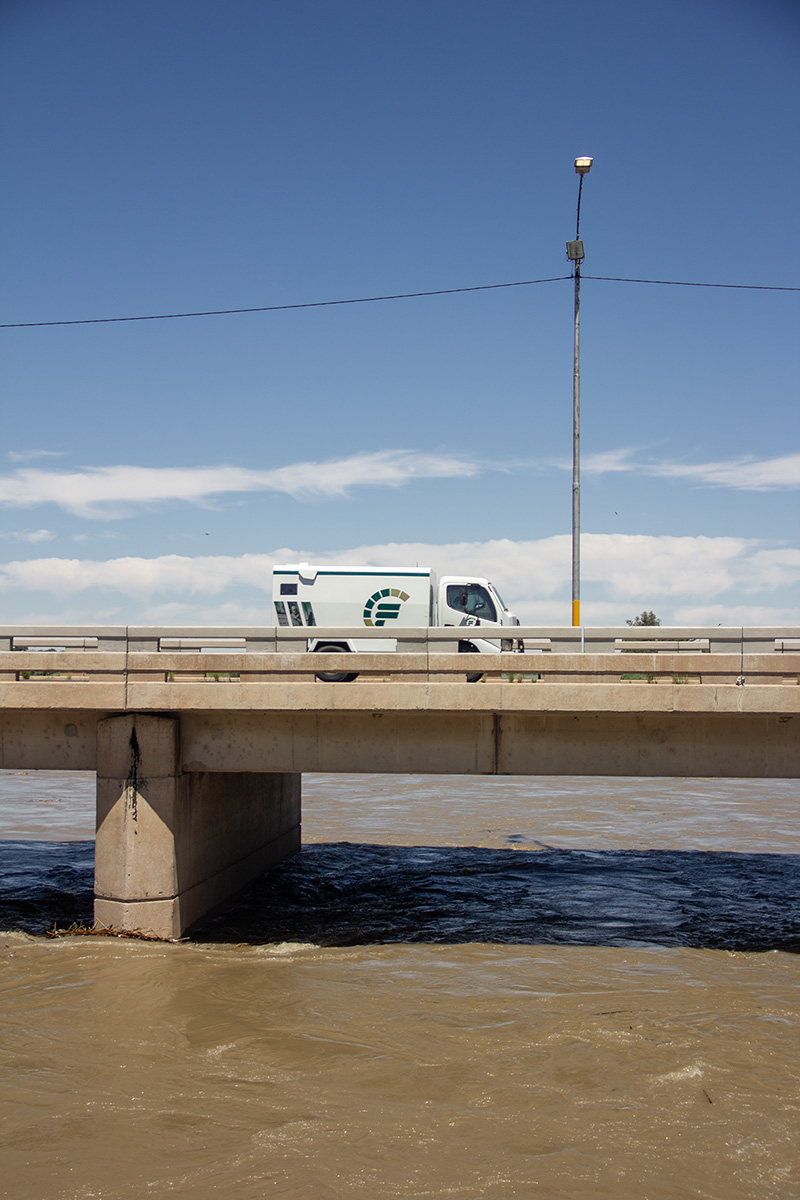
[(468, 604)]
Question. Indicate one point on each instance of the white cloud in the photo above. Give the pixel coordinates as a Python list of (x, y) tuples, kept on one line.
[(746, 474), (120, 490), (687, 580), (637, 565), (27, 535), (607, 461), (140, 578), (743, 474), (27, 455), (773, 568)]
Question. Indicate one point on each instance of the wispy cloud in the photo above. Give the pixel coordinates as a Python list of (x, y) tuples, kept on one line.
[(28, 455), (32, 536), (121, 490), (745, 473), (608, 461)]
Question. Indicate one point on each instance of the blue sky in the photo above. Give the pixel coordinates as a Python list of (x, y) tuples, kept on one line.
[(166, 158)]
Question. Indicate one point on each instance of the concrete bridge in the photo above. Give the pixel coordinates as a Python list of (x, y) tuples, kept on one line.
[(199, 737)]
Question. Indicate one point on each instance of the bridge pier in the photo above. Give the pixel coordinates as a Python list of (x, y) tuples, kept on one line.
[(174, 845)]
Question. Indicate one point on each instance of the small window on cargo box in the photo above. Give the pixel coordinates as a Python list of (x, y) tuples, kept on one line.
[(294, 613), (308, 612), (280, 609), (288, 589)]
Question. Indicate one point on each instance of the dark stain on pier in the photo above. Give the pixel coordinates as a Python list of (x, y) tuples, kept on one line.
[(134, 781)]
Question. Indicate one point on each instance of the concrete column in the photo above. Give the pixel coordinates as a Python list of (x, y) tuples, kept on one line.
[(172, 846)]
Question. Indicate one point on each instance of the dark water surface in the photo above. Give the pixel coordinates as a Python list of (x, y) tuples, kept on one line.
[(463, 987), (337, 894)]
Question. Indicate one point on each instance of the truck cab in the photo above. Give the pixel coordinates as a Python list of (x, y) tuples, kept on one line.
[(472, 598), (466, 601)]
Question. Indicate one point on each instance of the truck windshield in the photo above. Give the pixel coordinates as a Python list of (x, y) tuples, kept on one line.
[(472, 599)]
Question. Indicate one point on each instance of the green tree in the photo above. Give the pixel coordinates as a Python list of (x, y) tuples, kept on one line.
[(645, 618)]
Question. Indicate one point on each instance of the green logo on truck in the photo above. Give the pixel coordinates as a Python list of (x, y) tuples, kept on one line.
[(384, 606)]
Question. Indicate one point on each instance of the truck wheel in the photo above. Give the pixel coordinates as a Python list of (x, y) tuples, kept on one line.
[(333, 676), (468, 648)]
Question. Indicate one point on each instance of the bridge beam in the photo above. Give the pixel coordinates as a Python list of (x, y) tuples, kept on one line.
[(759, 745), (173, 846)]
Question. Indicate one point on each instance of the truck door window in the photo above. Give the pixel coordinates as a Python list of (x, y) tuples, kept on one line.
[(472, 599)]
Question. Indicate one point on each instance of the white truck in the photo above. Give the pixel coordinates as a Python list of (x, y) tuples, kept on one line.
[(389, 598)]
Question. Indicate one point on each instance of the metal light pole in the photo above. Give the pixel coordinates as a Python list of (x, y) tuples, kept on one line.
[(576, 256)]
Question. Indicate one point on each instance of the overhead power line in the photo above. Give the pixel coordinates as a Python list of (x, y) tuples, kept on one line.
[(226, 312), (481, 287), (750, 287)]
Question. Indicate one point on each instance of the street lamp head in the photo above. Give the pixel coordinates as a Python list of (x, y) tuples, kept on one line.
[(583, 165)]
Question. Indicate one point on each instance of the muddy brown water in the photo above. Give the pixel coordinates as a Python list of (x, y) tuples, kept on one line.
[(462, 988)]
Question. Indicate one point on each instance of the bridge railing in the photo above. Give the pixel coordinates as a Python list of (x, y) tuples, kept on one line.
[(598, 639), (224, 654)]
